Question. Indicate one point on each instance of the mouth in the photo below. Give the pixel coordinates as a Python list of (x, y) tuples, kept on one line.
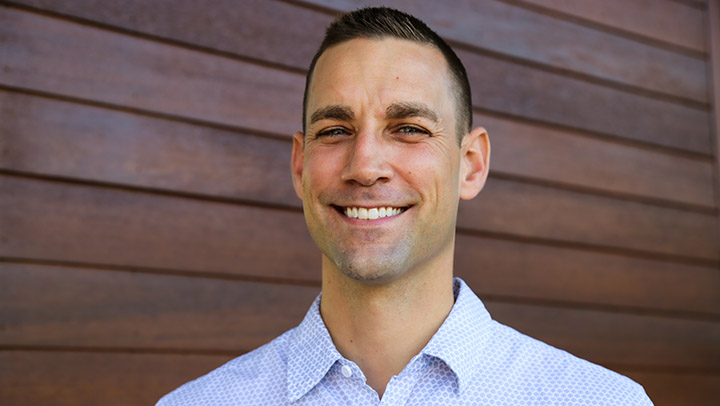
[(370, 213)]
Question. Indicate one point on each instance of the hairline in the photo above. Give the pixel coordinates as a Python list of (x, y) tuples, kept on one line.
[(461, 128)]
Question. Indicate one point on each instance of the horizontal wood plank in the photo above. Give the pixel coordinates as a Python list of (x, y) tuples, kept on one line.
[(537, 272), (504, 28), (63, 306), (662, 20), (615, 338), (157, 77), (678, 389), (108, 67), (86, 378), (58, 138), (527, 210), (551, 97), (571, 158), (101, 309), (65, 222), (258, 29)]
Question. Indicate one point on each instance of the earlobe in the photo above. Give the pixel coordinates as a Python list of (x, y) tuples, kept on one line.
[(475, 162), (296, 162)]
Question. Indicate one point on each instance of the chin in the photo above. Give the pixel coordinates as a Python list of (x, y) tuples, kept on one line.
[(375, 277), (372, 269)]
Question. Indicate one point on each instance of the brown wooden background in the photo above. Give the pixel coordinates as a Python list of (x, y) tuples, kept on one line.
[(149, 232)]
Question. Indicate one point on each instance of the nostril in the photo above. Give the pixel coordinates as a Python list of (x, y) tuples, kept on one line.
[(367, 174)]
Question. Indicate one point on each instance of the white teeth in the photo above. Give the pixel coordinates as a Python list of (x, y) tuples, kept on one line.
[(374, 213)]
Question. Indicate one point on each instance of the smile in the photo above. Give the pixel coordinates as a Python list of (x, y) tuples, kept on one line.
[(364, 213)]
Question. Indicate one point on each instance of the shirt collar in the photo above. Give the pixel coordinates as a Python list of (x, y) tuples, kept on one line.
[(461, 338), (458, 342), (311, 353)]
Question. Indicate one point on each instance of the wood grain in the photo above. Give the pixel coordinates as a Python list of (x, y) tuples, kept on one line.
[(87, 378), (615, 338), (100, 309), (267, 30), (157, 77), (527, 210), (515, 89), (56, 138), (56, 56), (663, 20), (537, 272), (65, 222), (678, 389), (490, 25), (59, 138), (714, 90), (565, 157), (506, 29)]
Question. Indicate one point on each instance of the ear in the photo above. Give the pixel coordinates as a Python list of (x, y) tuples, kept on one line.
[(475, 162), (296, 162)]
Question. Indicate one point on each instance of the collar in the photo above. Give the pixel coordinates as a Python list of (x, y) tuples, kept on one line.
[(458, 343), (311, 353), (461, 338)]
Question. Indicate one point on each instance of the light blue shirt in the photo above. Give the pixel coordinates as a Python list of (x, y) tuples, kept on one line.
[(471, 360)]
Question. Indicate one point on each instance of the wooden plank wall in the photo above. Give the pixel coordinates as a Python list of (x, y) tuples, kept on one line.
[(149, 232)]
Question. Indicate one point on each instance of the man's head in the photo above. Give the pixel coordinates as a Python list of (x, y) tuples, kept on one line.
[(379, 167), (382, 22)]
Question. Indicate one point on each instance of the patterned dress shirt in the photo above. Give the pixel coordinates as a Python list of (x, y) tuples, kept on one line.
[(471, 360)]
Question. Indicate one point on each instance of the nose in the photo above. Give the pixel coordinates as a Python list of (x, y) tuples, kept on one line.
[(366, 162)]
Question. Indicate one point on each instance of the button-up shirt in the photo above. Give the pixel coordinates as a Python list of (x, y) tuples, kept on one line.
[(471, 360)]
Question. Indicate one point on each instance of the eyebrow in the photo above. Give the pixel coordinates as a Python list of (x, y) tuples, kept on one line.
[(402, 110), (333, 112), (394, 111)]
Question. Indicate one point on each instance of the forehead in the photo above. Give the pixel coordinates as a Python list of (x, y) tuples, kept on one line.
[(379, 72)]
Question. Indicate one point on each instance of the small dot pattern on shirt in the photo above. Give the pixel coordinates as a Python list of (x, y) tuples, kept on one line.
[(471, 360)]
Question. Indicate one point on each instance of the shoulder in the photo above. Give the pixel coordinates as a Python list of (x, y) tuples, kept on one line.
[(553, 374), (258, 377)]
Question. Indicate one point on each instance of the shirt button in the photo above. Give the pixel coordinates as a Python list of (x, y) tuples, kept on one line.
[(346, 371)]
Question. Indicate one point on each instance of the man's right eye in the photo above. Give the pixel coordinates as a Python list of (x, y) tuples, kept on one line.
[(333, 132)]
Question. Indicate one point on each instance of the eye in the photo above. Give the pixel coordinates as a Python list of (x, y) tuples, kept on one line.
[(409, 131), (333, 132)]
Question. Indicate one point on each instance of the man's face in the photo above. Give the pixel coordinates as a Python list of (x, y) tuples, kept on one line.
[(379, 170)]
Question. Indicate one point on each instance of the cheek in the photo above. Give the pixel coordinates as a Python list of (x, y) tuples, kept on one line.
[(322, 167), (426, 164), (436, 177)]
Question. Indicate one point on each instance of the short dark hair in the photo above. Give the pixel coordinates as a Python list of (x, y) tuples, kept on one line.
[(384, 22)]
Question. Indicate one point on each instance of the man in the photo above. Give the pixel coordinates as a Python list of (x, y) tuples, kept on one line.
[(386, 152)]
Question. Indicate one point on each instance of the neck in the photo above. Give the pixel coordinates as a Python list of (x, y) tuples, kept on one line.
[(381, 327)]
